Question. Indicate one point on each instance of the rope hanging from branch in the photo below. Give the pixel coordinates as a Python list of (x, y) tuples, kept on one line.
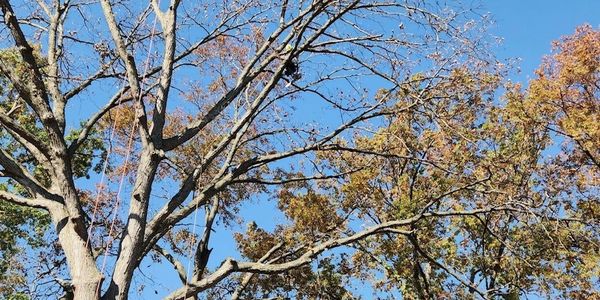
[(126, 163)]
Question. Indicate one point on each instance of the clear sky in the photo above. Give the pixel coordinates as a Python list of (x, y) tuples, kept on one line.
[(527, 28)]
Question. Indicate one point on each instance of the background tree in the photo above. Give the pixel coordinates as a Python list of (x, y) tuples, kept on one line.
[(40, 261), (389, 157), (562, 103)]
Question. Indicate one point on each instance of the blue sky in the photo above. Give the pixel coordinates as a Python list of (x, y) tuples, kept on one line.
[(527, 28)]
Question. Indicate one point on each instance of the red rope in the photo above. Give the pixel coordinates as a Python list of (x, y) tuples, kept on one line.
[(118, 202), (191, 252), (104, 167), (127, 157)]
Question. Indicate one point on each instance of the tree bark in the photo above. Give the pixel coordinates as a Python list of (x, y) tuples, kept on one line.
[(131, 246), (85, 276)]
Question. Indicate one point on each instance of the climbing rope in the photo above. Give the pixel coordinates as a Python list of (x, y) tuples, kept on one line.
[(96, 202), (126, 163), (192, 244)]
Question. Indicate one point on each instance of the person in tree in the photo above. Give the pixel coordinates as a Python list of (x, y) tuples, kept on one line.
[(292, 69)]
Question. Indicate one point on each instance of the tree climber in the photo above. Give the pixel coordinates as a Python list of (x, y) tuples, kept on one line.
[(291, 66)]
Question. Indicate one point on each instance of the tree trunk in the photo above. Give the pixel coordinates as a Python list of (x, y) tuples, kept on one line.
[(131, 246), (85, 276)]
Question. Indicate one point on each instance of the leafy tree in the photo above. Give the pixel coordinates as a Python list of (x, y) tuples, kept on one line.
[(22, 224), (562, 103), (389, 159)]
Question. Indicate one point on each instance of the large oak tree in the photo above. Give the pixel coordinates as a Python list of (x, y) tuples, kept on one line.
[(373, 125)]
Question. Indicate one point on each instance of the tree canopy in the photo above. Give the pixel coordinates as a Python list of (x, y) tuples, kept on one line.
[(382, 139)]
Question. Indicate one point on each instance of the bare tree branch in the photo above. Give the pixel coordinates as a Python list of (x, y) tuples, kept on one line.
[(229, 266)]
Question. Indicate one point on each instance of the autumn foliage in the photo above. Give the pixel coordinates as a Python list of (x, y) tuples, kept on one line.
[(402, 164)]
